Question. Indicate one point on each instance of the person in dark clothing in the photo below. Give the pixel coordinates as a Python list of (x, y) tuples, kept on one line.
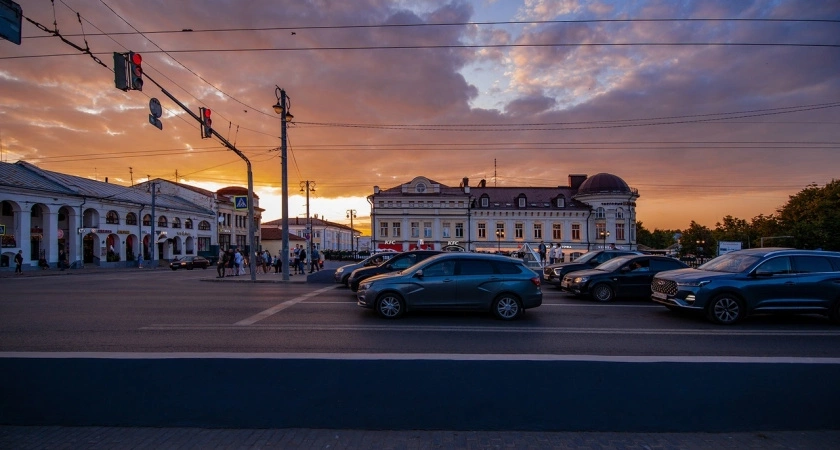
[(19, 262)]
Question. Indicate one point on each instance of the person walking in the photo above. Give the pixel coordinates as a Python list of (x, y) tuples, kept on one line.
[(238, 260), (62, 259), (19, 262), (230, 263), (221, 263), (302, 260), (295, 260), (542, 251), (313, 261)]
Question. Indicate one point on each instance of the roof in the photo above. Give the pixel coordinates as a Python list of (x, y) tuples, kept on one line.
[(25, 175), (603, 183), (276, 234)]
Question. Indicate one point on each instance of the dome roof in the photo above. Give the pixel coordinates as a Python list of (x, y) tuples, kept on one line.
[(603, 183)]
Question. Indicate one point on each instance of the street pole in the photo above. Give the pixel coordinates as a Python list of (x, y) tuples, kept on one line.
[(282, 107), (351, 213), (310, 187)]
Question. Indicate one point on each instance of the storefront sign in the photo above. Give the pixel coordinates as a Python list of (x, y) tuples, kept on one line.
[(183, 233), (101, 231), (123, 232)]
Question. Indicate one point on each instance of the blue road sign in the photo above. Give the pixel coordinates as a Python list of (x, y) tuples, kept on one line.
[(240, 202)]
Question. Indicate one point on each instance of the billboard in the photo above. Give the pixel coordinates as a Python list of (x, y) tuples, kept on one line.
[(728, 246)]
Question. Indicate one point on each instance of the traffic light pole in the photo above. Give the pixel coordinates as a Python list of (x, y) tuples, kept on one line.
[(251, 229)]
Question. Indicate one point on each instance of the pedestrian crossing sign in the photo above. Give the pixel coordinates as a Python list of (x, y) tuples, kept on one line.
[(240, 202)]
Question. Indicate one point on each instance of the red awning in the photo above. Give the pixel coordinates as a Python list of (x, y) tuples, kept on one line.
[(395, 247), (422, 247)]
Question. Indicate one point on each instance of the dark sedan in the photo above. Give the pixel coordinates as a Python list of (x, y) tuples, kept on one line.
[(455, 281), (190, 263), (623, 276), (397, 262), (554, 273)]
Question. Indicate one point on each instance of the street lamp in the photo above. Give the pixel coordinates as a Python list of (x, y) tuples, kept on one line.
[(499, 234), (351, 214), (282, 107), (604, 236), (700, 243), (308, 186)]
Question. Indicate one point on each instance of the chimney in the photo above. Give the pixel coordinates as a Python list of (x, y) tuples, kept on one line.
[(106, 179), (465, 182), (482, 183), (575, 180)]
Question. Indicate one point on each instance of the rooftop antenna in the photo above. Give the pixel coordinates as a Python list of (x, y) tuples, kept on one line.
[(495, 180), (131, 175)]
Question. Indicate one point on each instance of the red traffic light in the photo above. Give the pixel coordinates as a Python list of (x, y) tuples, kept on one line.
[(207, 113), (136, 59)]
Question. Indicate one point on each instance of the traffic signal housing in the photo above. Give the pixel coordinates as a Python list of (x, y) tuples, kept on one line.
[(206, 122), (135, 66), (121, 71)]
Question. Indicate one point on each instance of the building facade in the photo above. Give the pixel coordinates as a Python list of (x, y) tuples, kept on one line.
[(326, 235), (43, 213), (590, 213)]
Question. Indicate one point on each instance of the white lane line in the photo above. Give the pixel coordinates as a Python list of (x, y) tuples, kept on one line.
[(429, 356), (491, 329), (277, 308)]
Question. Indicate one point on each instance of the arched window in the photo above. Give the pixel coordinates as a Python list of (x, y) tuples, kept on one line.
[(600, 213), (112, 217), (619, 213), (204, 225), (147, 220), (162, 222), (176, 223), (188, 224), (131, 219)]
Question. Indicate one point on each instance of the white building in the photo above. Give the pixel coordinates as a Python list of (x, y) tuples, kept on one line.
[(100, 223), (590, 213), (326, 235)]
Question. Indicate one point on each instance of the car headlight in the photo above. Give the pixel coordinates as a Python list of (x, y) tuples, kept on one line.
[(699, 283), (339, 270), (365, 286), (581, 279)]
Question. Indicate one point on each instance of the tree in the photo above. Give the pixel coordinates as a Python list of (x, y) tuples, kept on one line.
[(698, 240), (734, 229), (812, 217)]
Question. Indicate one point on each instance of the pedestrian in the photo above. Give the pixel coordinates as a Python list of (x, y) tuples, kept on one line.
[(296, 259), (551, 252), (558, 254), (266, 261), (62, 259), (302, 260), (542, 251), (220, 264), (313, 261), (230, 262), (140, 259), (321, 260), (238, 263), (278, 264), (19, 262)]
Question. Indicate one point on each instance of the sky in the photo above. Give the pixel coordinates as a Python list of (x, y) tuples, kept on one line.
[(709, 108)]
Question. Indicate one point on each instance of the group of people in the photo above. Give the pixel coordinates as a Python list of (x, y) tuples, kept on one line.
[(233, 262), (42, 261), (550, 255)]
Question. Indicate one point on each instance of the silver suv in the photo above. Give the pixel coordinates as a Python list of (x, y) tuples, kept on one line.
[(753, 281)]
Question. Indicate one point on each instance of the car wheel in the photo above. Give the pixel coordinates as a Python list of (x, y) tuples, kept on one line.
[(190, 267), (602, 292), (174, 268), (725, 309), (390, 306), (672, 308), (507, 307)]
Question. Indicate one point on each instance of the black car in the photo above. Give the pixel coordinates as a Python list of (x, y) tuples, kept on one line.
[(554, 273), (754, 281), (396, 263), (623, 276), (189, 263)]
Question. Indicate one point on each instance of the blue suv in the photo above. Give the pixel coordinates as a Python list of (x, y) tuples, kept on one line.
[(753, 281)]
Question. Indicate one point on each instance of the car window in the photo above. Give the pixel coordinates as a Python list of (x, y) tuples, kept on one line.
[(475, 267), (730, 263), (508, 268), (404, 262), (440, 269), (603, 257), (640, 265), (811, 264), (778, 265), (659, 265)]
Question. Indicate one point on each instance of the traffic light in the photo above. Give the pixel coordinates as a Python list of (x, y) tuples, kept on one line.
[(121, 71), (135, 71), (206, 122)]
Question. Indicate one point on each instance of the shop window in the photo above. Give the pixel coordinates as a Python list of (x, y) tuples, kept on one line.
[(188, 224), (147, 220), (131, 219), (204, 225), (112, 217), (176, 223), (162, 223)]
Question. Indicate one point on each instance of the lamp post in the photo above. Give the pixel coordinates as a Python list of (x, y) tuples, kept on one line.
[(499, 234), (351, 214), (700, 243), (604, 236), (282, 107), (308, 186)]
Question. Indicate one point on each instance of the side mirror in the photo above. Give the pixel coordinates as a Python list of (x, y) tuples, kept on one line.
[(418, 274), (762, 273)]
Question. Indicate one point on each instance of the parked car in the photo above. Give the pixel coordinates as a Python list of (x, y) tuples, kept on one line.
[(343, 273), (553, 274), (622, 276), (189, 263), (760, 280), (455, 281), (397, 262)]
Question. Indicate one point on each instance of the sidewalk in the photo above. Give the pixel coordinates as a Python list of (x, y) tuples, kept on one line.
[(24, 438)]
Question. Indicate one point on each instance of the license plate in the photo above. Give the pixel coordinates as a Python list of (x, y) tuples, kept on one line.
[(659, 295)]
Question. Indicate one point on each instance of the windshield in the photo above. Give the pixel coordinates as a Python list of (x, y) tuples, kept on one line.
[(586, 257), (730, 263), (611, 265)]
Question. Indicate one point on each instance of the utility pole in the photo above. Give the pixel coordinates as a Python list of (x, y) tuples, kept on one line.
[(310, 187), (351, 214)]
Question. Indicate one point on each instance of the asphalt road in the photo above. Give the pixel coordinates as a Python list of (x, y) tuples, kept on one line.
[(186, 311)]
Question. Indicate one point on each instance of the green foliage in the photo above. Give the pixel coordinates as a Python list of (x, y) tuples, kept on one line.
[(811, 218)]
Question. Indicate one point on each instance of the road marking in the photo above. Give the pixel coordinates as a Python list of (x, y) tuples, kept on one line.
[(487, 329), (428, 356), (277, 308)]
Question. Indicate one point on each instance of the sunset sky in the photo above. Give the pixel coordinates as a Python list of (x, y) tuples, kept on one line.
[(708, 108)]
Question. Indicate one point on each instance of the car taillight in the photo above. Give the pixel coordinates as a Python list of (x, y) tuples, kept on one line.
[(536, 281)]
